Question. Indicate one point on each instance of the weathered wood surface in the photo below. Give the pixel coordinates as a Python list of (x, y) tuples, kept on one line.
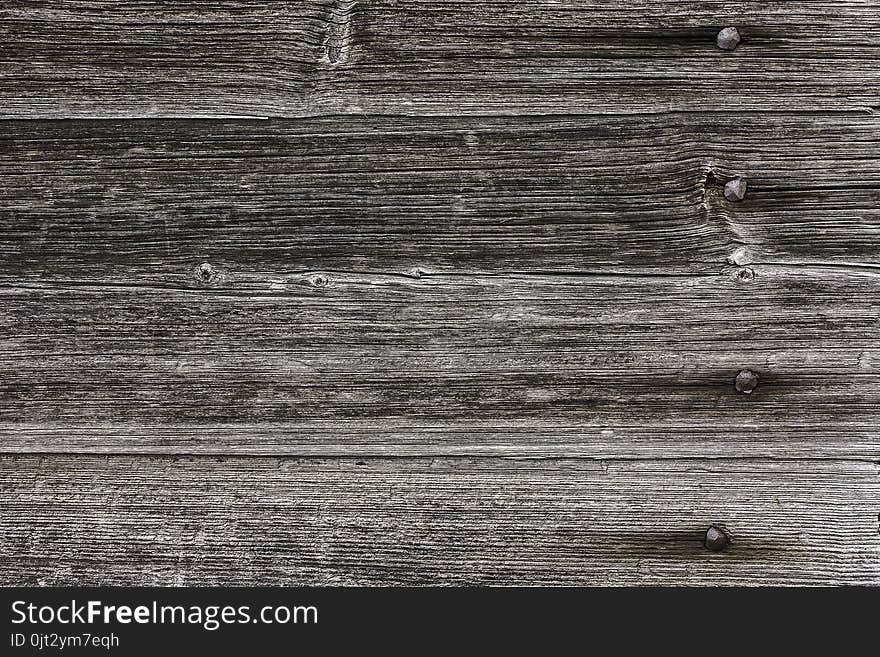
[(123, 202), (122, 520), (467, 309), (133, 59), (591, 365)]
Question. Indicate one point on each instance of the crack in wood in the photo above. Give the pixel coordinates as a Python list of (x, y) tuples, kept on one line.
[(338, 40)]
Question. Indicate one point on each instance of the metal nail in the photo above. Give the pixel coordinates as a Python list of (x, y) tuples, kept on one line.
[(716, 539), (735, 190), (746, 381), (728, 38)]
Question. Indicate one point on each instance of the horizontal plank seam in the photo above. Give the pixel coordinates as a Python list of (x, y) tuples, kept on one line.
[(311, 456), (856, 111), (853, 268)]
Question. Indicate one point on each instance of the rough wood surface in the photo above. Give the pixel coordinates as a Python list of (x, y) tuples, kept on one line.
[(122, 520), (381, 292), (132, 59), (318, 363), (119, 202)]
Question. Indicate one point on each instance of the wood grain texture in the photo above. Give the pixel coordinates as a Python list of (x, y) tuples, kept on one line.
[(119, 520), (130, 201), (325, 363), (96, 58), (102, 58), (380, 292), (389, 286), (611, 57)]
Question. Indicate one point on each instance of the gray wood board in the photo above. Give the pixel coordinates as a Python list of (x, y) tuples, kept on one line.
[(380, 292), (119, 202), (99, 58), (572, 286), (575, 364), (147, 520)]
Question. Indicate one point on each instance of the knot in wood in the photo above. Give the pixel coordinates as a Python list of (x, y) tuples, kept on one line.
[(728, 38), (735, 190), (716, 539), (746, 381), (320, 280), (746, 274), (205, 273)]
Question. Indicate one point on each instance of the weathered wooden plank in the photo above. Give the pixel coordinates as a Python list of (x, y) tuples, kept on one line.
[(371, 303), (96, 58), (116, 520), (125, 202), (326, 363), (547, 57)]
